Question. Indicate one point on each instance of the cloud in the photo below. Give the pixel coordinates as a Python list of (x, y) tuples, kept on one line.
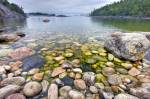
[(61, 6)]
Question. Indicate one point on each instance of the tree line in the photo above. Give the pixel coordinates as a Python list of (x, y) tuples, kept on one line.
[(12, 6), (124, 8)]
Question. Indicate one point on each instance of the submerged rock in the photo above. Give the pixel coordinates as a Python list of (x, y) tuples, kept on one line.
[(129, 46), (8, 90), (34, 61)]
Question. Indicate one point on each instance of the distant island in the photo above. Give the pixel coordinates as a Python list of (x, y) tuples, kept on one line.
[(40, 14), (45, 14), (11, 10), (135, 8)]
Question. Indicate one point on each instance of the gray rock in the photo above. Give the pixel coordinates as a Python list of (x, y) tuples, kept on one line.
[(80, 84), (125, 96), (45, 85), (53, 92), (76, 95), (8, 90), (34, 61), (129, 46), (114, 79), (63, 91), (13, 81), (93, 89), (89, 78), (32, 88)]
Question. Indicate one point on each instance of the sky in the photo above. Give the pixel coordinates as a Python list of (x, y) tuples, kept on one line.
[(61, 6)]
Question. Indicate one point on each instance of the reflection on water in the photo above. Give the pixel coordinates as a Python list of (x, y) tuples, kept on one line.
[(125, 24)]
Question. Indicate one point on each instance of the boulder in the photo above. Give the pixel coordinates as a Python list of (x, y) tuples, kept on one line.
[(129, 46), (8, 90), (33, 61)]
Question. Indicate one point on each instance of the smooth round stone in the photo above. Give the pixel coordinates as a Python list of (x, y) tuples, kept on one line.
[(127, 65), (125, 96), (134, 71), (80, 84), (57, 71), (110, 64), (78, 76), (89, 78), (63, 91), (7, 67), (72, 75), (90, 61), (16, 96), (77, 70), (76, 61), (93, 89), (114, 79), (115, 89), (122, 70), (110, 57), (33, 71), (108, 71), (76, 95), (38, 76), (68, 55), (32, 88)]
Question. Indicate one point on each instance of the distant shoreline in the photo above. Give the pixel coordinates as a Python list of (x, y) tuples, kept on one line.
[(123, 17)]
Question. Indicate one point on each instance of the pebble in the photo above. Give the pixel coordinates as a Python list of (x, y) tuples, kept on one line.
[(33, 71), (76, 95), (67, 81), (80, 84), (77, 70), (15, 65), (66, 65), (2, 70), (93, 89), (38, 76), (16, 96), (78, 76), (45, 85), (59, 58), (114, 79), (53, 92), (125, 96), (7, 67), (134, 72), (10, 75), (13, 81), (89, 78), (72, 75), (108, 71), (63, 91), (32, 88), (127, 65), (57, 71), (110, 64)]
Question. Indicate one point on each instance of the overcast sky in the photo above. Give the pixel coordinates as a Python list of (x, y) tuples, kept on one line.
[(61, 6)]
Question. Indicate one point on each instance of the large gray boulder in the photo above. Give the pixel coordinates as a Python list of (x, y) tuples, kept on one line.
[(129, 46)]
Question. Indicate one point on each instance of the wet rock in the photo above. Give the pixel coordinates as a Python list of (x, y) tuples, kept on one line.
[(67, 81), (57, 71), (125, 96), (20, 53), (114, 79), (15, 65), (2, 70), (16, 96), (5, 52), (34, 61), (76, 95), (108, 71), (33, 71), (63, 91), (93, 89), (53, 92), (66, 65), (38, 76), (86, 68), (32, 88), (80, 84), (134, 72), (13, 81), (8, 90), (7, 37), (89, 78), (128, 46), (45, 85)]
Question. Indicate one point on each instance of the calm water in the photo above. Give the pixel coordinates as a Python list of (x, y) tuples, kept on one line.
[(77, 25)]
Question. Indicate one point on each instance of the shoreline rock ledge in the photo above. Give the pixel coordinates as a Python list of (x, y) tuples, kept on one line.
[(128, 46)]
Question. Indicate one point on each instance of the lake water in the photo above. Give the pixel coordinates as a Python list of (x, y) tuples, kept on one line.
[(82, 26)]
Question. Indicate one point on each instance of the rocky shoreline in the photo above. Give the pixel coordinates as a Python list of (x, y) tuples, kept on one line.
[(73, 69)]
